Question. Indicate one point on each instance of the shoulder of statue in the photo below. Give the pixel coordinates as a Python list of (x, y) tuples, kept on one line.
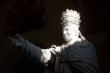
[(85, 44)]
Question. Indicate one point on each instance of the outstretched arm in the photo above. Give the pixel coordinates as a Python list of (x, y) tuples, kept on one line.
[(34, 50), (43, 55)]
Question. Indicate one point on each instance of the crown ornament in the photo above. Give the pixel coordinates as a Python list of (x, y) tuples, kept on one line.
[(70, 17)]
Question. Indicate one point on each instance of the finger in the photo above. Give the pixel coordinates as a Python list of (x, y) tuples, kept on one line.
[(52, 51), (18, 36), (10, 38), (53, 46)]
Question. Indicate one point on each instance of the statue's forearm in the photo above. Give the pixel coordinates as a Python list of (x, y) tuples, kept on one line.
[(34, 50)]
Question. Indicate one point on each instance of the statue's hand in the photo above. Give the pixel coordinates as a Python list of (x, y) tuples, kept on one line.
[(17, 40), (56, 49)]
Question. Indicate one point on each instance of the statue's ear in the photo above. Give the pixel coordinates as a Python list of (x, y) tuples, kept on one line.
[(79, 21)]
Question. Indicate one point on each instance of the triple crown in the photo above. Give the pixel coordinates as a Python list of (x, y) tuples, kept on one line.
[(70, 17)]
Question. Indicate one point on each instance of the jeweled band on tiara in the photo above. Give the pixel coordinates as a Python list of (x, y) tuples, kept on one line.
[(70, 17)]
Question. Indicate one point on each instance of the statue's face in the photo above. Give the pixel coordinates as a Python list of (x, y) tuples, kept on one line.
[(70, 33)]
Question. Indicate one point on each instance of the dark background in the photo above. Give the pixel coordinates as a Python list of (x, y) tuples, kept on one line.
[(39, 22)]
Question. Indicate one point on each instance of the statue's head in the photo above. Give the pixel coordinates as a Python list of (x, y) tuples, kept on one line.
[(70, 22)]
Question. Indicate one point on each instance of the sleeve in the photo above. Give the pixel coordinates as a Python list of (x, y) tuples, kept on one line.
[(34, 50), (46, 55), (43, 55)]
